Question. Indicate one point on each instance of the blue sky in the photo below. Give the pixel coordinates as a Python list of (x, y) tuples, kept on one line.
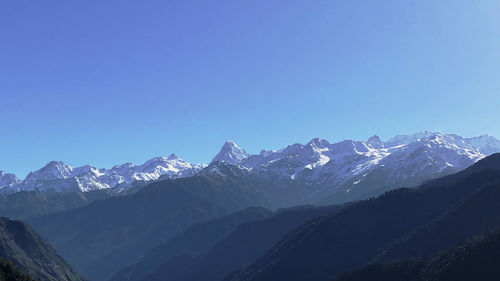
[(105, 82)]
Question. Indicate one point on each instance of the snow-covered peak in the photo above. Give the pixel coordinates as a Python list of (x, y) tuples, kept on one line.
[(123, 166), (406, 139), (172, 157), (375, 142), (58, 176), (159, 166), (53, 170), (404, 160), (485, 143), (86, 170), (7, 180), (230, 153), (318, 143), (348, 147), (157, 161)]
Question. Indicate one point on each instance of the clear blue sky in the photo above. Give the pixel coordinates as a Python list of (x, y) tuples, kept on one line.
[(105, 82)]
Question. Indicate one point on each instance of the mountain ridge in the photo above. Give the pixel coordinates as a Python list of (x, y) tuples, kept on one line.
[(343, 165), (57, 176)]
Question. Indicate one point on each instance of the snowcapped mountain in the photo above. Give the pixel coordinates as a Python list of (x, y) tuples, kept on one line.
[(347, 169), (406, 139), (53, 170), (58, 176), (230, 153), (351, 170), (7, 180), (485, 144), (319, 160)]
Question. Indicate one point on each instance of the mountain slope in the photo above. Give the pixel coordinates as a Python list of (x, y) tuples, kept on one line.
[(476, 214), (26, 204), (104, 236), (10, 273), (347, 240), (245, 244), (22, 247), (197, 239), (476, 259)]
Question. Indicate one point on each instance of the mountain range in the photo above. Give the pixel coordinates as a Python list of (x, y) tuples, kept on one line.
[(58, 176), (354, 170), (238, 218), (333, 172), (317, 243)]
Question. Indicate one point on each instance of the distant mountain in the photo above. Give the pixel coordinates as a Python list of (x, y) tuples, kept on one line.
[(230, 153), (339, 172), (25, 250), (240, 248), (485, 144), (323, 173), (26, 204), (195, 240), (104, 236), (7, 180), (476, 259), (353, 170), (318, 172), (57, 176), (402, 223)]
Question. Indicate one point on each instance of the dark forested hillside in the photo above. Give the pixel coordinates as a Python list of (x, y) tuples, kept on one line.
[(476, 214), (476, 259)]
